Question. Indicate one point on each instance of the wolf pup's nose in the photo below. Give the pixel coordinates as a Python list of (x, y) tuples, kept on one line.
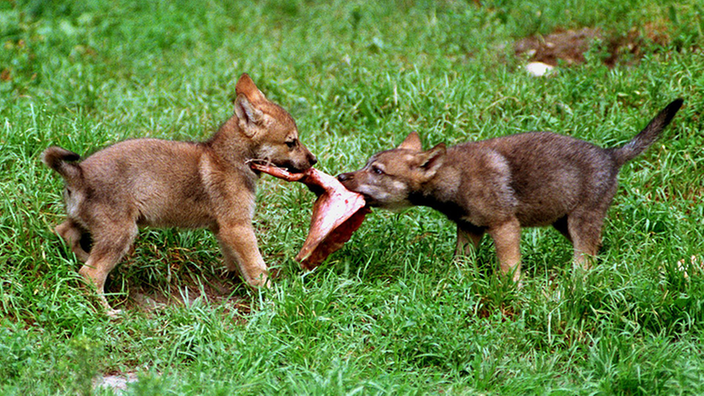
[(343, 176)]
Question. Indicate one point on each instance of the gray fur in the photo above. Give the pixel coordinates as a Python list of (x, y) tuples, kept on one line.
[(500, 185)]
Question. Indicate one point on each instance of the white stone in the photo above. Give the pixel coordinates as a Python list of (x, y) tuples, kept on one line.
[(538, 69)]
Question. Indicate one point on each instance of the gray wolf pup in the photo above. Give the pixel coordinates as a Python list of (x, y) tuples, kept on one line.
[(499, 185), (158, 183)]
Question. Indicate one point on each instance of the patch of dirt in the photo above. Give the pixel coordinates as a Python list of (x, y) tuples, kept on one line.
[(570, 46), (211, 289), (117, 382)]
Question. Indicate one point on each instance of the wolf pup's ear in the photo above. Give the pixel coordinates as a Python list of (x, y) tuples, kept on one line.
[(245, 86), (249, 117), (412, 142), (430, 161)]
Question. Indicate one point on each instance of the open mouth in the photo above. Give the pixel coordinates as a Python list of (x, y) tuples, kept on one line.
[(277, 171), (262, 164), (370, 200), (293, 170)]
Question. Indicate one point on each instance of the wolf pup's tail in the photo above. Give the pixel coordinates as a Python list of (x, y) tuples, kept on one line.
[(60, 160), (647, 136)]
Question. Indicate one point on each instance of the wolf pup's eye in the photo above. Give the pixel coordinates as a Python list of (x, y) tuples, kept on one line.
[(291, 144), (377, 170)]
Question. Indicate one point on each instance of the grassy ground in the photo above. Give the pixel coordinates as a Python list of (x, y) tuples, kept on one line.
[(392, 312)]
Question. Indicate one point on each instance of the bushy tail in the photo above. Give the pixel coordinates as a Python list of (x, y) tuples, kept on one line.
[(59, 160), (647, 136)]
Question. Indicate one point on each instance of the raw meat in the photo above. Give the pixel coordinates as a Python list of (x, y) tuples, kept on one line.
[(337, 213)]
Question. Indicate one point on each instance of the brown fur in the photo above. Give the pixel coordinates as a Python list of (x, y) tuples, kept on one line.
[(158, 183), (499, 185)]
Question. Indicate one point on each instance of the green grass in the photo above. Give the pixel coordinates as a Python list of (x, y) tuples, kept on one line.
[(392, 312)]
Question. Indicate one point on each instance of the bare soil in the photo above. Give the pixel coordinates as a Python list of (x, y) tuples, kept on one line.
[(212, 289), (568, 47)]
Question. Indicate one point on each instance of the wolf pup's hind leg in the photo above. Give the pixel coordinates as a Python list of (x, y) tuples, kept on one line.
[(468, 239), (111, 243), (73, 234)]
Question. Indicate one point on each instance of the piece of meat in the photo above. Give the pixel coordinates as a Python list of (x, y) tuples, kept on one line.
[(337, 213)]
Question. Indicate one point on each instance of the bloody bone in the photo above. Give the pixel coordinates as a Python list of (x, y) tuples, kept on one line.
[(337, 213)]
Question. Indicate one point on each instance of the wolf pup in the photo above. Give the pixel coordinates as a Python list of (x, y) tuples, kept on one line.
[(158, 183), (499, 185)]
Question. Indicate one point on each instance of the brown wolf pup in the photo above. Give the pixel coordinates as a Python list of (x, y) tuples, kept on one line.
[(499, 185), (158, 183)]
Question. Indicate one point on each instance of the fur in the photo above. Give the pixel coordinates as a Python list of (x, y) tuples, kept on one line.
[(159, 183), (500, 185)]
